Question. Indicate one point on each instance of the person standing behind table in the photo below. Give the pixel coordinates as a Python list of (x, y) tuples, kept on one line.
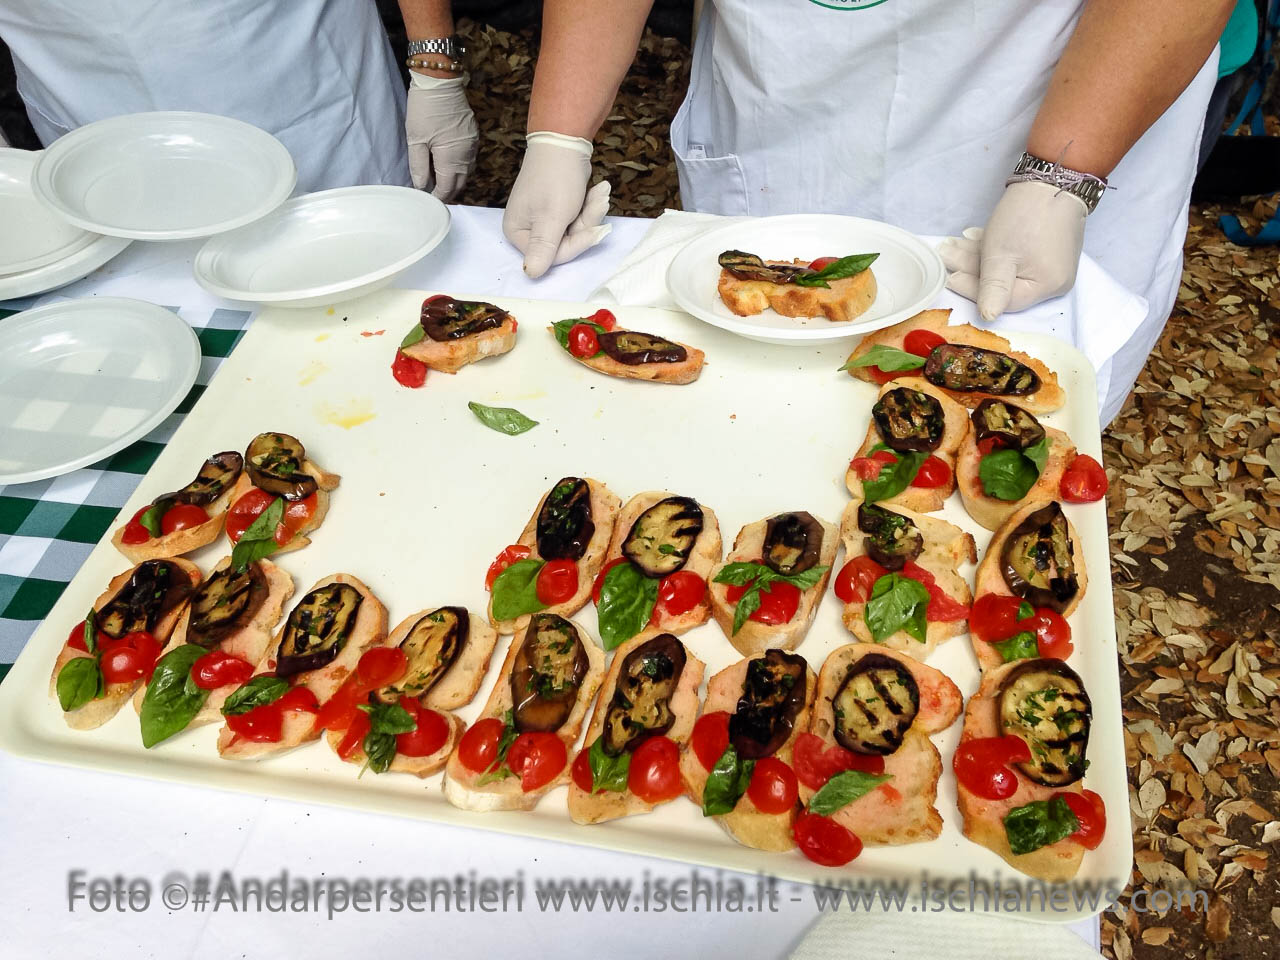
[(914, 112), (317, 74)]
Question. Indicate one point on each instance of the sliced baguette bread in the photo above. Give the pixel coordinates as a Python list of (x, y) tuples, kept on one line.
[(683, 370), (991, 512), (184, 541), (842, 301), (326, 483), (450, 356)]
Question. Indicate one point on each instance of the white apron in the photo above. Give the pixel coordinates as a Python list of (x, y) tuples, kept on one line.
[(913, 112), (317, 74)]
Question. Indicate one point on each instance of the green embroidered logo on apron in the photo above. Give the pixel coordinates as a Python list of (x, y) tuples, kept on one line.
[(847, 4)]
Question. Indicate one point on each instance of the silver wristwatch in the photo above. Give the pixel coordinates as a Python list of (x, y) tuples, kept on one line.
[(451, 47), (1085, 186)]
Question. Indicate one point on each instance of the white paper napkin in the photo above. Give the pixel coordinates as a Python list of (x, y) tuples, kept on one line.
[(1097, 316)]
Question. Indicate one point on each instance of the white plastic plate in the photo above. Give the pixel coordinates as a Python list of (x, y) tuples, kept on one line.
[(429, 496), (61, 272), (31, 235), (909, 273), (82, 379), (164, 175), (324, 247)]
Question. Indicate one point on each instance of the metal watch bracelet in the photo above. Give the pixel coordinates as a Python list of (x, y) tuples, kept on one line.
[(1084, 186)]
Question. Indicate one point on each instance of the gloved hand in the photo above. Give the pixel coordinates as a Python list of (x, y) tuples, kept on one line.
[(441, 132), (551, 216), (1028, 252)]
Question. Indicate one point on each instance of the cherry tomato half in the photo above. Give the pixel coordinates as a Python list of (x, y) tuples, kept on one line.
[(779, 602), (265, 724), (478, 748), (988, 444), (430, 735), (822, 263), (980, 765), (339, 711), (934, 472), (408, 371), (250, 506), (922, 342), (884, 376), (679, 593), (1084, 480), (1092, 814), (219, 669), (537, 759), (824, 841), (583, 341), (605, 318), (654, 774), (710, 737), (1053, 633), (815, 762), (380, 666), (994, 617), (856, 578), (773, 787), (131, 657), (581, 771), (182, 516), (75, 639), (599, 584), (517, 551), (557, 581), (357, 727), (134, 531)]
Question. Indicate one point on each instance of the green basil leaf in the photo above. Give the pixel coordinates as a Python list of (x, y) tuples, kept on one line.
[(172, 700), (506, 420), (844, 267), (258, 692), (388, 718), (739, 573), (806, 579), (91, 632), (79, 681), (897, 603), (1020, 646), (1038, 824), (748, 604), (499, 770), (1007, 474), (888, 359), (151, 519), (1025, 610), (607, 773), (726, 783), (627, 598), (259, 539), (893, 477), (844, 788), (379, 751), (1038, 453), (515, 590), (413, 336), (561, 330)]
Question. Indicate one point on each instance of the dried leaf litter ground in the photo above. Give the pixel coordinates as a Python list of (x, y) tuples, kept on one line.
[(1194, 508)]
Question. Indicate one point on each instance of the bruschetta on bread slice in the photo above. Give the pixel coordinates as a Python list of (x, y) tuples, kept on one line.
[(596, 342), (753, 713), (873, 716), (767, 591), (1008, 458), (280, 478), (518, 749), (1044, 704), (185, 520), (552, 566), (749, 285), (1035, 556), (969, 363), (310, 658), (394, 711), (630, 758), (220, 641), (452, 333), (105, 657), (913, 426), (901, 583), (654, 579)]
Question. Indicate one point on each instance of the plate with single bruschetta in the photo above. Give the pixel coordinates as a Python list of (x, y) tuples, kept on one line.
[(805, 278)]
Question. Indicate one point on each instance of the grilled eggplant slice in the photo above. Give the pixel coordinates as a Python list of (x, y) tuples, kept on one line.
[(1044, 703), (216, 476), (631, 347), (431, 646), (1037, 561), (909, 420), (641, 704), (1016, 428), (318, 628), (444, 318), (891, 539), (792, 543), (747, 266), (774, 692), (224, 603), (875, 705), (548, 670), (155, 588), (662, 537), (565, 526), (966, 369), (274, 462)]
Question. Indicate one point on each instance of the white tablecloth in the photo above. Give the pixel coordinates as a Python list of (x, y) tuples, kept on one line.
[(54, 821)]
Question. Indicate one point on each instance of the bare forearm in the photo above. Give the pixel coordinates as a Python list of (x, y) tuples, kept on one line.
[(1127, 61), (587, 47)]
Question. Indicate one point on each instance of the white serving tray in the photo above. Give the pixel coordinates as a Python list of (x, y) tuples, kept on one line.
[(429, 496)]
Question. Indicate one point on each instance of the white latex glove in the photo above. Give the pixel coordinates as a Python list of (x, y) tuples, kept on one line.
[(551, 216), (1028, 252), (441, 132)]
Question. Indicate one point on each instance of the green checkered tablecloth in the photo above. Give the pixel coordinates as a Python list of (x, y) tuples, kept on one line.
[(48, 527)]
